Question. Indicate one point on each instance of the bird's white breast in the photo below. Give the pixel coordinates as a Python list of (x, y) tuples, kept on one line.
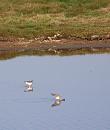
[(28, 83), (57, 97)]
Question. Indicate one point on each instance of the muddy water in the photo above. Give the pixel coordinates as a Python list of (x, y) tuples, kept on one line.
[(84, 82)]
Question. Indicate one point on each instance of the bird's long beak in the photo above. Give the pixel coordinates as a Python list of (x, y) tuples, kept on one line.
[(63, 99)]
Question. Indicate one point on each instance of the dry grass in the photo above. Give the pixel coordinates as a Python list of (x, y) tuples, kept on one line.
[(34, 18)]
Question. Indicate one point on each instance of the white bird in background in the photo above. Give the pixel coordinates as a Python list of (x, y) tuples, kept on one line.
[(28, 86), (58, 99)]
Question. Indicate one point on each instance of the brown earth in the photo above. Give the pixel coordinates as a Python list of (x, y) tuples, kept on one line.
[(60, 46)]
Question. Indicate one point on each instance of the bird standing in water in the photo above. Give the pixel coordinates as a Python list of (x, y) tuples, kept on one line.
[(28, 86), (58, 99)]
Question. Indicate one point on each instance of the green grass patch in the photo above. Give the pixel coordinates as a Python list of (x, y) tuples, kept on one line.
[(33, 18)]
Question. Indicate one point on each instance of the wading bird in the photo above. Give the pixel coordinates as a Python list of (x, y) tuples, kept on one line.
[(58, 99), (28, 86)]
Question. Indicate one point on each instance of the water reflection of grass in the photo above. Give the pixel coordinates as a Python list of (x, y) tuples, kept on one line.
[(9, 55)]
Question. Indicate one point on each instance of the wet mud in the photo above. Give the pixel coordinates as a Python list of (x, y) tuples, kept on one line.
[(13, 48)]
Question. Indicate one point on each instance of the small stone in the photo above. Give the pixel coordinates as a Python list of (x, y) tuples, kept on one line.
[(49, 38), (94, 37)]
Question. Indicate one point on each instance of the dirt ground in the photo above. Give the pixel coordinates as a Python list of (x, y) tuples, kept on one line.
[(53, 46)]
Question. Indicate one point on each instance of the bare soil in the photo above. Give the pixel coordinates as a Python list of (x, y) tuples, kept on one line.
[(59, 46)]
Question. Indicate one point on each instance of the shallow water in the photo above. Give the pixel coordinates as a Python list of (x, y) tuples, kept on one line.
[(84, 81)]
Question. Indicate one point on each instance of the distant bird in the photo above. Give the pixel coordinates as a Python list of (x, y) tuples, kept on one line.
[(29, 83), (28, 86), (57, 97)]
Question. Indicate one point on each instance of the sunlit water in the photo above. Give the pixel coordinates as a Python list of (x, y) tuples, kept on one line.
[(84, 81)]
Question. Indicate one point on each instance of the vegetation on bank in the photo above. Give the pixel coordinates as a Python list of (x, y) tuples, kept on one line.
[(36, 18)]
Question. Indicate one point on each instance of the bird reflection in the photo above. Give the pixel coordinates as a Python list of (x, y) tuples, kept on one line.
[(58, 100), (28, 86), (56, 103)]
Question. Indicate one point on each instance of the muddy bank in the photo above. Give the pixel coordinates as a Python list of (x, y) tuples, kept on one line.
[(49, 46)]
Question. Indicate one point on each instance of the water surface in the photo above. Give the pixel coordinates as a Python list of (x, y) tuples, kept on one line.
[(84, 81)]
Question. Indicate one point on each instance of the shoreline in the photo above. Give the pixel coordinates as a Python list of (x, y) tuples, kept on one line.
[(52, 47)]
